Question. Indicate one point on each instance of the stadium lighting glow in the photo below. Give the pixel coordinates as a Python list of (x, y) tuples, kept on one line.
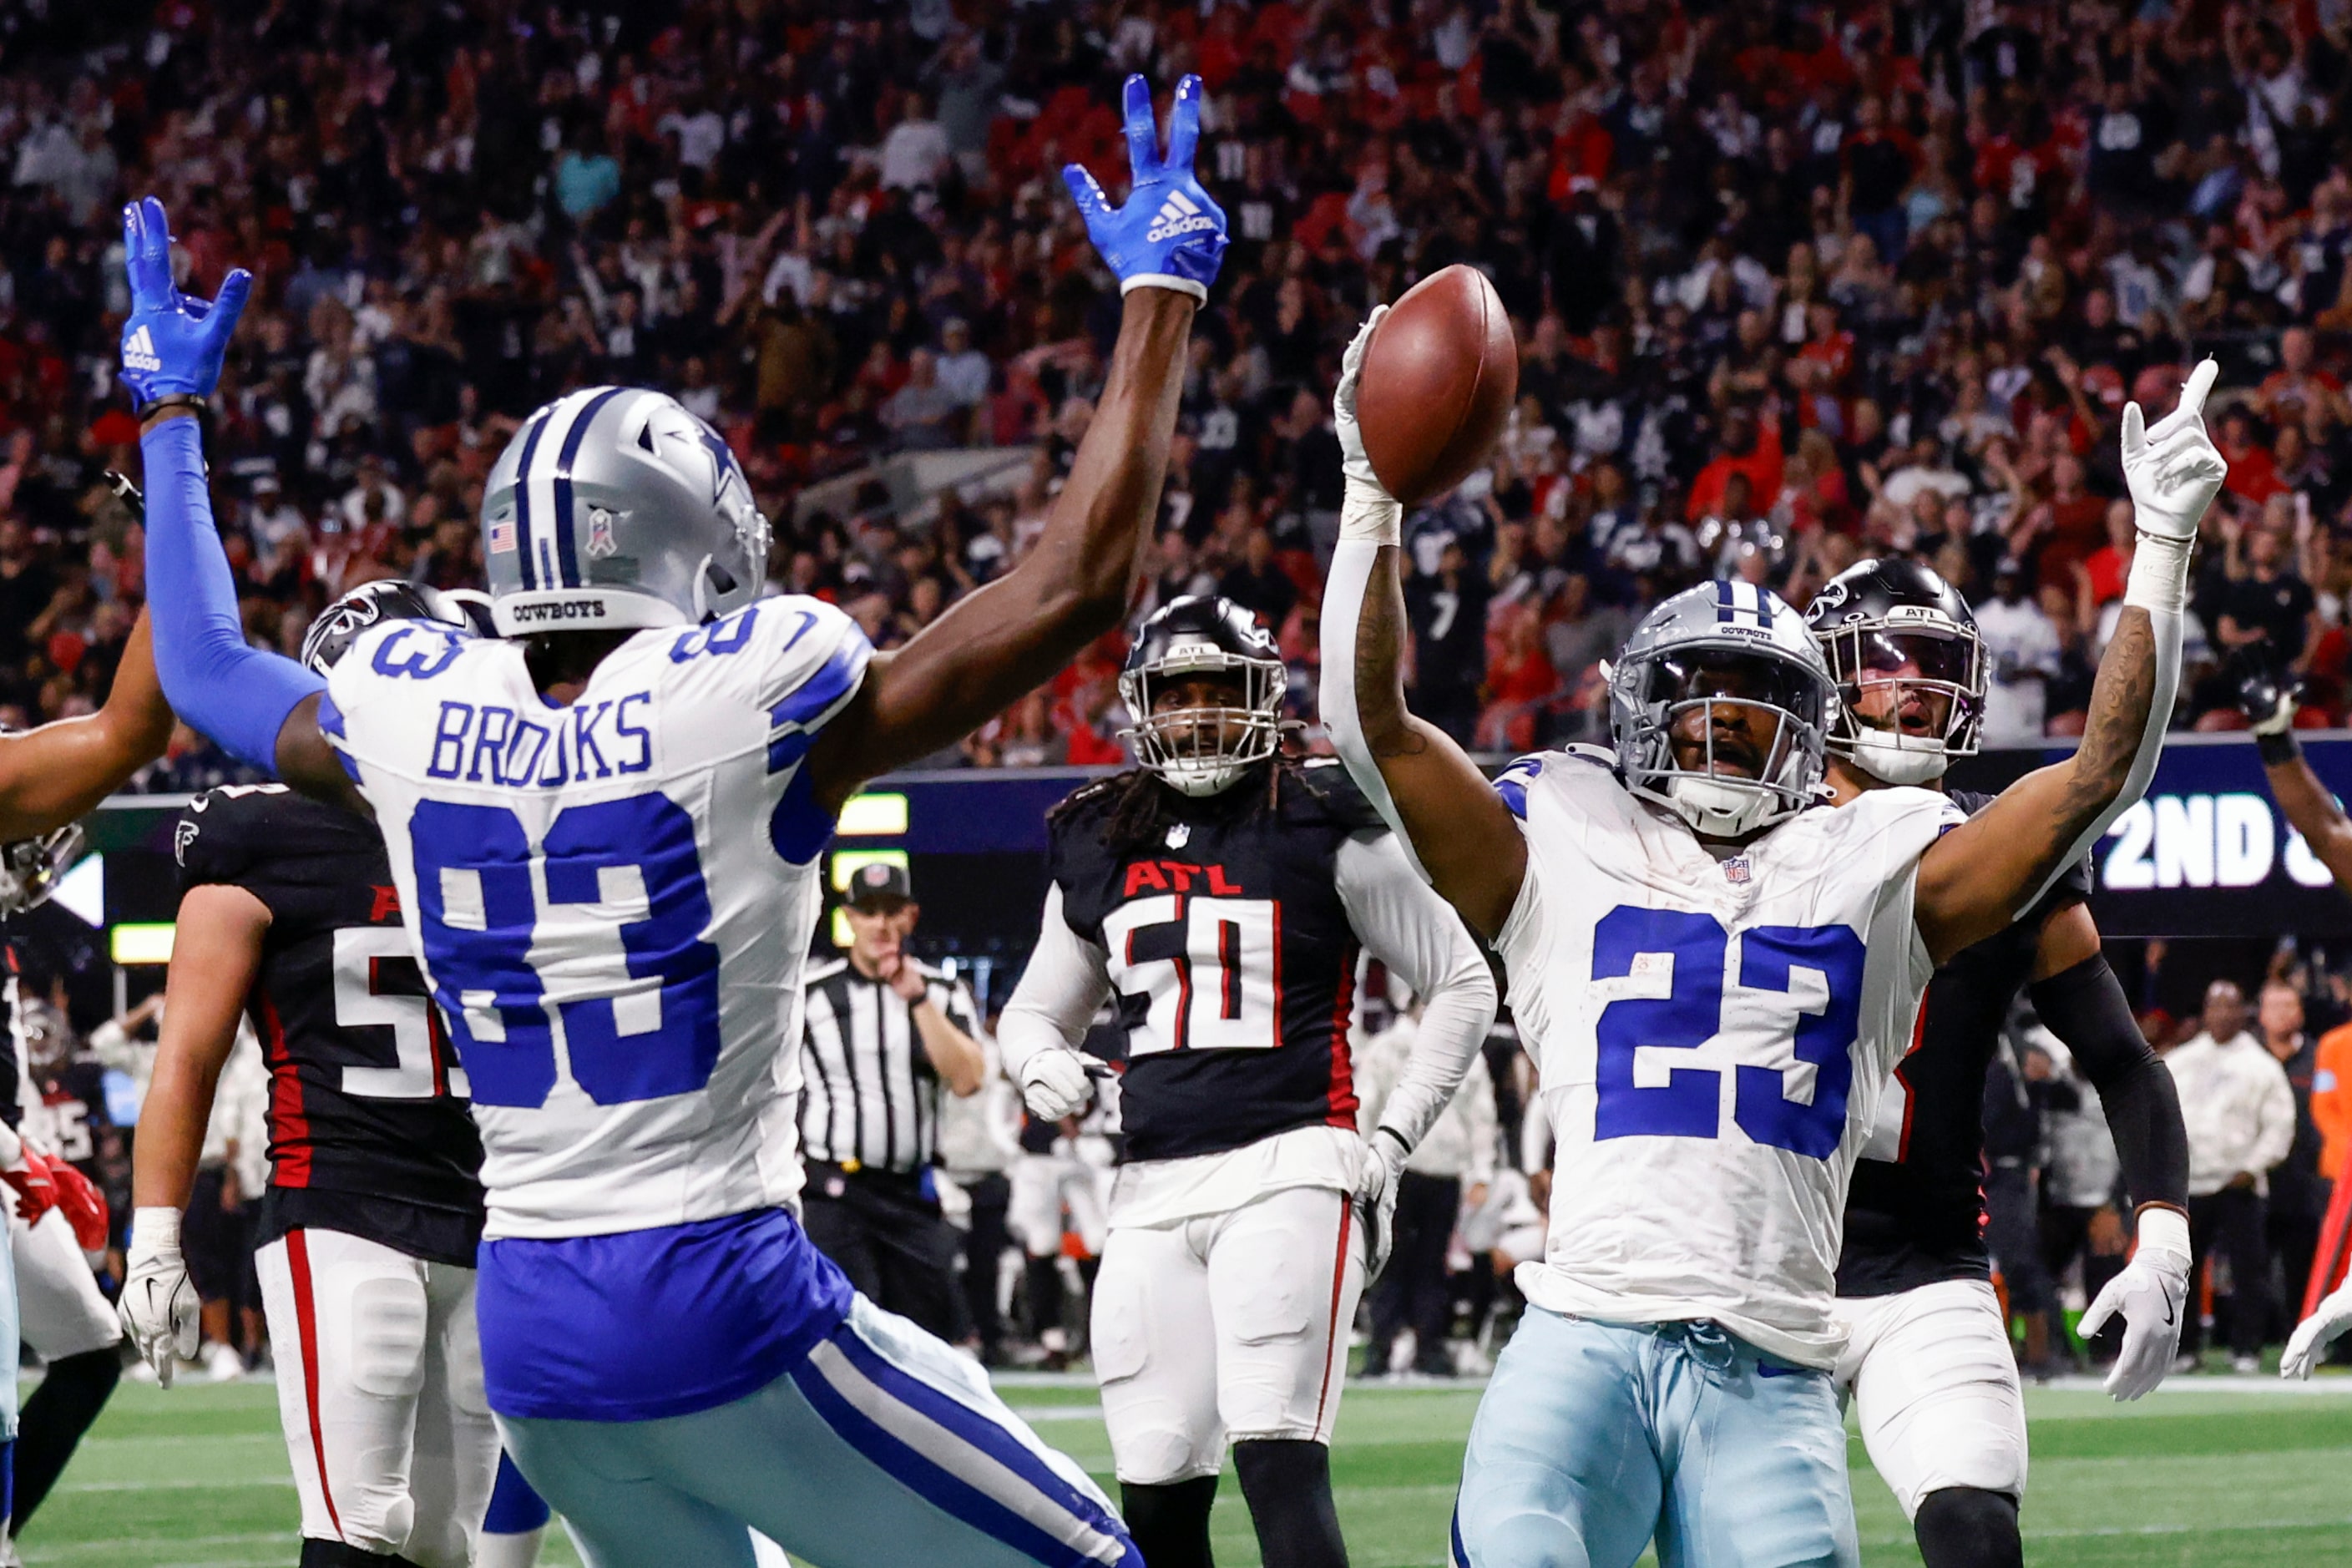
[(873, 816), (143, 942)]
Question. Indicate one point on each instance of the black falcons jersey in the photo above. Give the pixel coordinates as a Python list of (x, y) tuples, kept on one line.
[(1232, 959), (369, 1129), (75, 1098), (1915, 1214)]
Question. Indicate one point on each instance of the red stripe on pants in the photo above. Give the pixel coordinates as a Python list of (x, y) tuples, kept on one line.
[(1332, 1343), (306, 1326)]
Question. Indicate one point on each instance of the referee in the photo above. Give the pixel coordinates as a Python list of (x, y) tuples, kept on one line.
[(883, 1033)]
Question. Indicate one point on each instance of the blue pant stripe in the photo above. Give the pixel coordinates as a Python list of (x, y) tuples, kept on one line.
[(1460, 1558), (972, 1427), (924, 1476)]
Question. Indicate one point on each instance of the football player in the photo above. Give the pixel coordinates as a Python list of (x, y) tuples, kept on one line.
[(48, 777), (1716, 976), (606, 826), (1928, 1360), (65, 1317), (289, 916), (2266, 690), (58, 1216), (1221, 892)]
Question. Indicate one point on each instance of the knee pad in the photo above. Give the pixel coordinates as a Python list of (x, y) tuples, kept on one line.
[(1963, 1527)]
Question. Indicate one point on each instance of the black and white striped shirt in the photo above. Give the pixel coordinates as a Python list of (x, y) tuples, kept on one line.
[(869, 1092)]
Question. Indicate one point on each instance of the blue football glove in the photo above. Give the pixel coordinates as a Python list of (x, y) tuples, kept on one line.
[(171, 344), (1170, 235)]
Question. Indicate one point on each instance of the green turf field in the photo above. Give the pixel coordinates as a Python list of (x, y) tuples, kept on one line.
[(2206, 1472)]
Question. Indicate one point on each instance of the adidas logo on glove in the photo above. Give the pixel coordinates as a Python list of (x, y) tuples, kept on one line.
[(1178, 214), (139, 352)]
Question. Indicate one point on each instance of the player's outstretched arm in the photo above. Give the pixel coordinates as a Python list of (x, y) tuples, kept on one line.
[(246, 699), (1984, 873), (1446, 814), (2078, 997), (215, 956), (2266, 695), (53, 774), (1165, 244)]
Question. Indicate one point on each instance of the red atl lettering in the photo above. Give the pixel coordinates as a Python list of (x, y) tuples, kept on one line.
[(386, 906), (1180, 873), (1143, 874), (1217, 883), (1162, 876)]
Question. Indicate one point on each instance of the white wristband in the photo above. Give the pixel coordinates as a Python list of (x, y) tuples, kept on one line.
[(1199, 291), (1369, 512), (155, 1231), (2165, 1230), (2158, 583)]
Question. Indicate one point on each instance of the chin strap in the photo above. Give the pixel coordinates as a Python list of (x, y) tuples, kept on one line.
[(1891, 762)]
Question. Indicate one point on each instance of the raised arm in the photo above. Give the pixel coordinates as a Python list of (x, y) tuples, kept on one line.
[(1984, 873), (259, 706), (2265, 689), (1075, 585), (53, 774), (1448, 819)]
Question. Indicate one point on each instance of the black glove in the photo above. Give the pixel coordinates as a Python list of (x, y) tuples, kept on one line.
[(2266, 690)]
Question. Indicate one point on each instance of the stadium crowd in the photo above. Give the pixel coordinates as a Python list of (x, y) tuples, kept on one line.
[(1793, 283)]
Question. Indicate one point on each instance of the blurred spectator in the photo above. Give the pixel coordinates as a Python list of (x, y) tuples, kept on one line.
[(2299, 1194), (2022, 655), (2241, 1116)]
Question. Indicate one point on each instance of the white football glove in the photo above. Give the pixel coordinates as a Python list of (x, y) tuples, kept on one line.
[(2172, 467), (1054, 1084), (159, 1306), (2315, 1333), (1367, 510), (2149, 1295), (1376, 1197), (1352, 460)]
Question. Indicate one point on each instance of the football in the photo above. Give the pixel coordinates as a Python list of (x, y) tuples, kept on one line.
[(1439, 378)]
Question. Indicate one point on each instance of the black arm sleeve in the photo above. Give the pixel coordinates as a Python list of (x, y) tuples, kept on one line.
[(2084, 1007)]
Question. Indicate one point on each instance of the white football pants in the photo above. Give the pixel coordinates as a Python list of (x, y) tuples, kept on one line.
[(380, 1392), (61, 1311), (1042, 1187), (1228, 1326), (1934, 1389)]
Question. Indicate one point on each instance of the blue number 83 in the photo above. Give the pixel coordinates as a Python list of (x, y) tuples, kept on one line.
[(479, 945), (1691, 1014)]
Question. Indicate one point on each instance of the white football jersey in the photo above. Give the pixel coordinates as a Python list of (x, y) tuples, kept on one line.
[(1713, 1038), (612, 902)]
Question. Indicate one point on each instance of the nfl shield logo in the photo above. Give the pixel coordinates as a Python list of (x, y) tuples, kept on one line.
[(1735, 871), (1178, 834)]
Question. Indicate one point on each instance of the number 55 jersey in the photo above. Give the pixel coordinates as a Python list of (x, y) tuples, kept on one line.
[(1714, 1036)]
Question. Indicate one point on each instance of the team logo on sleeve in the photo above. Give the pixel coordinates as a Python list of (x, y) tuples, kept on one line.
[(182, 836)]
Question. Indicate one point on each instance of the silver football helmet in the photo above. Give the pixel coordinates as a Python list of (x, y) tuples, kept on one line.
[(1722, 644), (614, 507), (31, 869)]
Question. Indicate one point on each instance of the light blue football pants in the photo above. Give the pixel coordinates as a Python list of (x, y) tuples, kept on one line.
[(1594, 1438), (881, 1449)]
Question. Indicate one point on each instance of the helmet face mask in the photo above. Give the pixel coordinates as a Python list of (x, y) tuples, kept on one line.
[(1909, 663), (1193, 747), (1720, 715), (615, 508), (31, 869)]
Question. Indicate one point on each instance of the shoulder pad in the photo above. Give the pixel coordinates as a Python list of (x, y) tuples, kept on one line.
[(223, 831), (1337, 795)]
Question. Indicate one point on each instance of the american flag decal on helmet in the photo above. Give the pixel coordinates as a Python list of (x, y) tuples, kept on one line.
[(502, 536)]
